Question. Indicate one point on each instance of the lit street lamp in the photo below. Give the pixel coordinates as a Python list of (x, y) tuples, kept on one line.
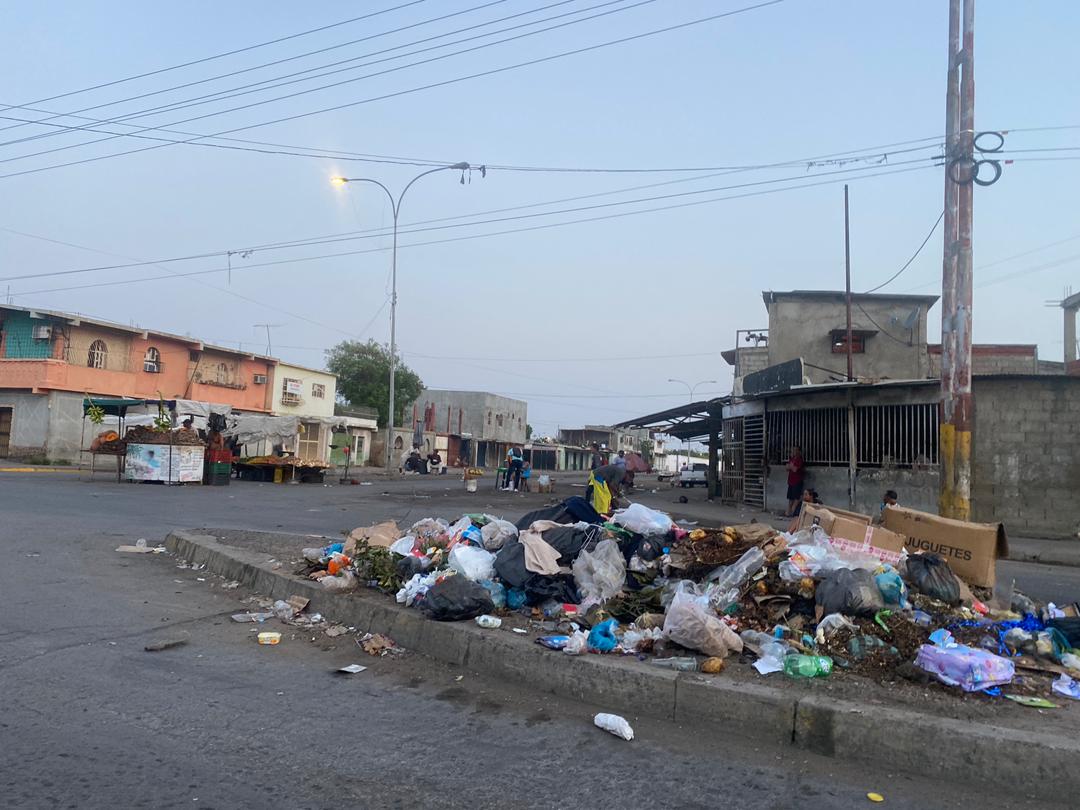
[(691, 389), (395, 207)]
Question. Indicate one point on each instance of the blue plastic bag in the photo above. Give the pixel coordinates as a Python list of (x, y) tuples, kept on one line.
[(602, 638), (892, 587), (473, 536), (515, 598), (497, 591)]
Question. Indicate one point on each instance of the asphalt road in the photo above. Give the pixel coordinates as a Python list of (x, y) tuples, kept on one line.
[(92, 720)]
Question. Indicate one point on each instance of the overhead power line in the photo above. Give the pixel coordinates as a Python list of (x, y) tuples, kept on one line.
[(440, 18), (429, 86), (226, 53), (196, 102), (907, 264), (495, 220), (597, 218)]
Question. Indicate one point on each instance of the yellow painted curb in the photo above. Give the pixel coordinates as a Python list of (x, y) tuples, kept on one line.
[(39, 469)]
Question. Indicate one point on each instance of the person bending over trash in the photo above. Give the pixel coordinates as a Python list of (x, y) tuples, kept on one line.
[(604, 486)]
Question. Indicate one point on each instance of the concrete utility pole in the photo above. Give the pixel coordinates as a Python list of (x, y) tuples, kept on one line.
[(957, 404)]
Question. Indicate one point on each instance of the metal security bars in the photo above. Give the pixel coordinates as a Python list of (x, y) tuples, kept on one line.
[(885, 435), (896, 435), (821, 433)]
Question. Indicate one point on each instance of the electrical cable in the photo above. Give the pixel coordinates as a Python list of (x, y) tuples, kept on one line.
[(576, 209), (173, 105), (227, 53), (473, 236), (176, 106), (914, 255), (420, 88), (881, 328)]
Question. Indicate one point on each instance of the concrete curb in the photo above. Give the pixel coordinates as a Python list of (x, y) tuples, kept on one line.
[(1009, 759)]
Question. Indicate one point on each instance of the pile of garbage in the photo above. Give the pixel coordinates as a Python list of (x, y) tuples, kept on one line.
[(805, 603)]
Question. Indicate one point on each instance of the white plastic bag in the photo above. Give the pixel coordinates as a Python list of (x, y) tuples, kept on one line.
[(472, 563), (497, 532), (600, 574), (577, 643), (404, 546), (829, 625), (454, 532), (643, 520), (345, 581), (418, 585), (633, 638), (614, 724), (693, 626)]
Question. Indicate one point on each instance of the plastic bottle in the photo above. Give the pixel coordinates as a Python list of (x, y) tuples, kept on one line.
[(735, 575), (769, 646), (807, 666), (681, 664), (490, 622)]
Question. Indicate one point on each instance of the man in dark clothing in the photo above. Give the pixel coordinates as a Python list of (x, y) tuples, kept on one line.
[(796, 480), (514, 462), (611, 476), (597, 460)]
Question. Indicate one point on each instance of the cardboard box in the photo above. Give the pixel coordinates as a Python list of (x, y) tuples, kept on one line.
[(972, 549), (851, 531)]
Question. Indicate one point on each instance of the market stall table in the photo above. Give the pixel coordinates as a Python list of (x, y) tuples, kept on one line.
[(266, 469)]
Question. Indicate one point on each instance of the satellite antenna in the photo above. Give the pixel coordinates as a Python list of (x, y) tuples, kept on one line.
[(912, 319)]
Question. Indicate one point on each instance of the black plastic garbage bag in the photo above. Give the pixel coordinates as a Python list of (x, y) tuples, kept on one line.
[(930, 575), (456, 598), (566, 540), (852, 592), (1068, 627), (573, 510), (560, 587), (510, 565), (556, 514)]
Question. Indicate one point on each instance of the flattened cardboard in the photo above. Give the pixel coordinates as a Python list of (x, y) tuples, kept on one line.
[(851, 531), (972, 549)]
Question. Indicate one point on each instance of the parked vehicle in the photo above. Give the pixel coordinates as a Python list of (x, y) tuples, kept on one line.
[(697, 474)]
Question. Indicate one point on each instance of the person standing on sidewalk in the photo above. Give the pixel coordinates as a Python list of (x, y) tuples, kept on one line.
[(796, 480)]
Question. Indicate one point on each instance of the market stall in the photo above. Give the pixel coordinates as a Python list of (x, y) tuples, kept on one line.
[(107, 414), (170, 456)]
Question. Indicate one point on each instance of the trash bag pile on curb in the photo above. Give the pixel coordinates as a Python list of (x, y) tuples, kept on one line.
[(634, 583)]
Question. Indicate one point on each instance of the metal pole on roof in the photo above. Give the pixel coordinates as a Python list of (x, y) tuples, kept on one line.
[(847, 280)]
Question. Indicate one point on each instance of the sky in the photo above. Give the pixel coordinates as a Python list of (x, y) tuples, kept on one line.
[(586, 320)]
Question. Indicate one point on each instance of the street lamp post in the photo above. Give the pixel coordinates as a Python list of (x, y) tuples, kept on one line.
[(691, 389), (395, 207)]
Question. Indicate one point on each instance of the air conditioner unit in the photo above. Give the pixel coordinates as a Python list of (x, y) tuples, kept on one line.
[(43, 332), (260, 379)]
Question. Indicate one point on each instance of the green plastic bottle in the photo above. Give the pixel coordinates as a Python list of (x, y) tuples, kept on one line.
[(807, 666)]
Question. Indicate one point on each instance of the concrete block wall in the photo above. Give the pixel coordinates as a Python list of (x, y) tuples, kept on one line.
[(916, 488), (29, 422), (1027, 454)]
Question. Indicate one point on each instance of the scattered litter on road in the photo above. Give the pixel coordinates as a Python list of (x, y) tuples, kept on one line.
[(1032, 701), (141, 549), (251, 617), (488, 622), (337, 630), (269, 638), (378, 644), (875, 797), (351, 669), (230, 586), (520, 631), (614, 724), (165, 644)]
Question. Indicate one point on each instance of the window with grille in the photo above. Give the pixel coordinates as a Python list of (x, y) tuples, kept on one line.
[(839, 341), (318, 390), (290, 391), (885, 435), (152, 361), (98, 355)]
